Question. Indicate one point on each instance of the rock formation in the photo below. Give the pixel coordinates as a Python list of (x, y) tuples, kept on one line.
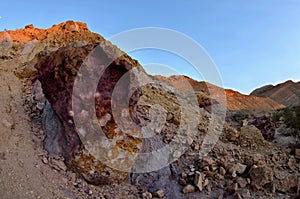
[(287, 93), (105, 131), (235, 100)]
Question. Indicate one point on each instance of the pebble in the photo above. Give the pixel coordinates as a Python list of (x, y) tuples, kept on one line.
[(234, 187), (241, 182), (233, 175), (198, 181), (222, 171), (188, 189), (45, 160), (146, 195), (160, 193), (182, 181), (183, 175), (59, 165)]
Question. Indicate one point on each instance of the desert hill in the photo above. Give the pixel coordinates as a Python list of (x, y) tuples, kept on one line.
[(287, 93), (235, 100)]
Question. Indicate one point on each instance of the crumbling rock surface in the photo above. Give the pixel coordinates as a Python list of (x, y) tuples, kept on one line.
[(57, 73)]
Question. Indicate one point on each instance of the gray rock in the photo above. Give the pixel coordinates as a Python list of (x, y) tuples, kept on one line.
[(53, 131)]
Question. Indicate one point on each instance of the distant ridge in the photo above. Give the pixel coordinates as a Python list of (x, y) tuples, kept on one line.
[(235, 100), (287, 93)]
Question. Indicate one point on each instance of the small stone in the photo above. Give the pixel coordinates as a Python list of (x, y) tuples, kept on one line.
[(188, 189), (45, 160), (160, 193), (183, 175), (206, 161), (169, 116), (208, 188), (206, 168), (260, 176), (58, 165), (182, 181), (206, 182), (213, 168), (222, 171), (240, 168), (198, 181), (233, 187), (197, 147), (233, 175), (241, 182), (219, 177), (146, 195), (208, 173)]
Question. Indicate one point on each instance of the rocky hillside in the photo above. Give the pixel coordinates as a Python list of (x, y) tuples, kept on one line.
[(287, 93), (130, 135), (235, 100)]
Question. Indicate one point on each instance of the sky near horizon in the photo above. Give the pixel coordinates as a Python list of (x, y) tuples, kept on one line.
[(252, 43)]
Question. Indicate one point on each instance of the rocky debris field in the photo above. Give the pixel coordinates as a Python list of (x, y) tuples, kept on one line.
[(43, 154)]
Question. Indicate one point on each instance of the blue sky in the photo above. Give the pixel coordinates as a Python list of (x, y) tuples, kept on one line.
[(253, 43)]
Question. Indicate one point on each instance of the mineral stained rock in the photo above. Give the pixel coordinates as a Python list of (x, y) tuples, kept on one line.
[(57, 73)]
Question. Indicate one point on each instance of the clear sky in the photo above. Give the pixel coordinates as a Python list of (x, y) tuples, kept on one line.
[(253, 43)]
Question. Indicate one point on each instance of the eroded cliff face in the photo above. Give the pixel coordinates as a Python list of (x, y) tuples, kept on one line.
[(145, 115), (57, 74)]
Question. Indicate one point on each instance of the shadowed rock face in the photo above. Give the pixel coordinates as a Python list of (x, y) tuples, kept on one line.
[(57, 73)]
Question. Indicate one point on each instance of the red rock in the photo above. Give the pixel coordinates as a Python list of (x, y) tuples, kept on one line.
[(266, 126), (57, 73)]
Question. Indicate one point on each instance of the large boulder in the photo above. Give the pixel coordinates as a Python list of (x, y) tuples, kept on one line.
[(266, 126), (260, 176), (57, 73)]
